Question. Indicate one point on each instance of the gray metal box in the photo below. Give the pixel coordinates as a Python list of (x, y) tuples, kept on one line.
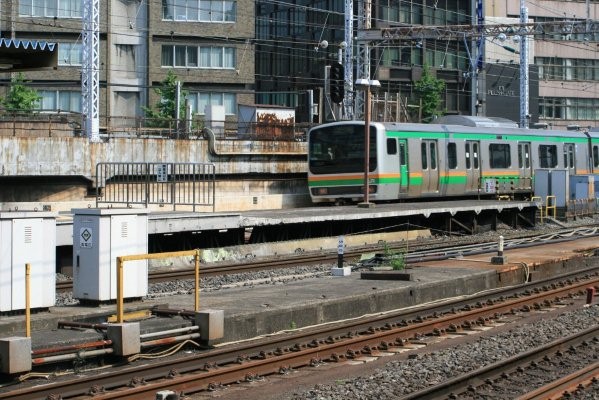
[(552, 182), (99, 237)]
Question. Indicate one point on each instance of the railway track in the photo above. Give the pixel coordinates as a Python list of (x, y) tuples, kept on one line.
[(553, 367), (368, 337), (417, 253)]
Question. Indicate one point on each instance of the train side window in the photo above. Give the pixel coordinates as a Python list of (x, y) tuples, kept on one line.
[(468, 162), (499, 155), (548, 156), (527, 155), (391, 146), (475, 154), (433, 148), (596, 156), (452, 156), (423, 155)]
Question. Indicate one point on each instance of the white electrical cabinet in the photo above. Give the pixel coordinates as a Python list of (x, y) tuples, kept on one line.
[(27, 237), (99, 237)]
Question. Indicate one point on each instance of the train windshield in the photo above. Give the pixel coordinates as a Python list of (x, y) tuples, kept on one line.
[(340, 149)]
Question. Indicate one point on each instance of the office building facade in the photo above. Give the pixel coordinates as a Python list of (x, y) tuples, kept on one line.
[(207, 44)]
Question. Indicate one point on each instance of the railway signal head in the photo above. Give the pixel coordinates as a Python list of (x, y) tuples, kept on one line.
[(337, 83)]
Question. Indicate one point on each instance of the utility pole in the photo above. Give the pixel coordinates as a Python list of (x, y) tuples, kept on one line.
[(524, 112), (90, 74)]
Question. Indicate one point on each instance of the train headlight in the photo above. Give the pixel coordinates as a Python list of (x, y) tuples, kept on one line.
[(322, 191)]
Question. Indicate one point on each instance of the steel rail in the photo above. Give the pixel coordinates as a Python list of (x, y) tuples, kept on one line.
[(461, 383), (567, 384), (289, 354)]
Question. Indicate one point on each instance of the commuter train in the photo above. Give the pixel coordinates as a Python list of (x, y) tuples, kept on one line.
[(420, 161)]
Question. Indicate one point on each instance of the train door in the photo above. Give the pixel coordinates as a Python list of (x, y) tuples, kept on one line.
[(403, 166), (430, 167), (524, 166), (472, 165), (569, 160)]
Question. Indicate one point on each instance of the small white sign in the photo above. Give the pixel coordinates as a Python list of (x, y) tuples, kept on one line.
[(490, 186), (340, 245), (86, 238), (162, 173)]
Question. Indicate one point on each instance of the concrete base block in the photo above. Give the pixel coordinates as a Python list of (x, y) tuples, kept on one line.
[(499, 260), (166, 395), (15, 355), (211, 324), (345, 271), (125, 338)]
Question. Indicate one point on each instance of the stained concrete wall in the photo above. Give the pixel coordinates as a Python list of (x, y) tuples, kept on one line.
[(58, 173), (73, 156)]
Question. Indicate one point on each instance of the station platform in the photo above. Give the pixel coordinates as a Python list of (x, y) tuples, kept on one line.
[(268, 224), (263, 309)]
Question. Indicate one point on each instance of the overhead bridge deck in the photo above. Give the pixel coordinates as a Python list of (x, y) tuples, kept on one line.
[(221, 229)]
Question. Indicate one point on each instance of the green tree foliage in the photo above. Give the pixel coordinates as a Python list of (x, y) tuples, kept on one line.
[(164, 115), (20, 98), (430, 89)]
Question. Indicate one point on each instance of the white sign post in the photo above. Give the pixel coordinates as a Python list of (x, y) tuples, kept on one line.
[(340, 248)]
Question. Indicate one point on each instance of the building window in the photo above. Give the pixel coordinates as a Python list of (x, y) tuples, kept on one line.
[(63, 100), (499, 155), (51, 8), (69, 54), (569, 69), (569, 108), (199, 10), (551, 107), (200, 100), (211, 57)]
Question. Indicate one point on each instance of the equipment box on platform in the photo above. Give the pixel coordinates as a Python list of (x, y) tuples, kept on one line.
[(99, 237), (27, 238)]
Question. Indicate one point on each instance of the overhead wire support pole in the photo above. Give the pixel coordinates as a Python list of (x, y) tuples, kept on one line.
[(478, 80), (363, 56), (348, 61), (524, 112), (90, 74)]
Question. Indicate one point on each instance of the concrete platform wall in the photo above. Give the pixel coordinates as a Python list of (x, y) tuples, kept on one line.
[(72, 156), (58, 173)]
